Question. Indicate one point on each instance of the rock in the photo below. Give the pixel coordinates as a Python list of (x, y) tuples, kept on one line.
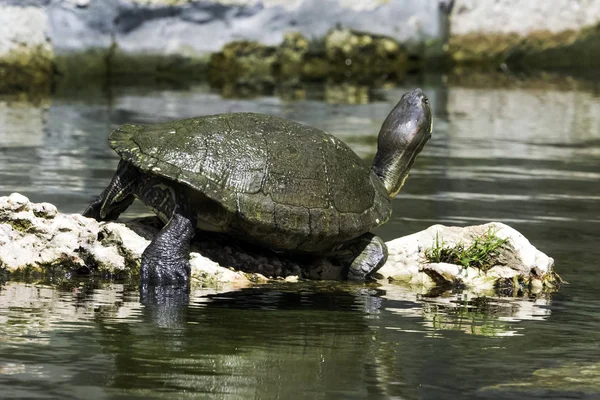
[(519, 265), (26, 54), (369, 56), (37, 238), (173, 27), (342, 54), (570, 379), (243, 63), (92, 40), (291, 55), (559, 33), (522, 18)]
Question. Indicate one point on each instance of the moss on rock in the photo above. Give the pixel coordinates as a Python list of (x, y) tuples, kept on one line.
[(242, 61), (341, 55), (28, 69), (539, 49), (363, 55)]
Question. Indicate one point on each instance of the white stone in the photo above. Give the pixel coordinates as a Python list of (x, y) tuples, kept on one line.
[(407, 262), (522, 16), (22, 27), (36, 235), (75, 29), (209, 273)]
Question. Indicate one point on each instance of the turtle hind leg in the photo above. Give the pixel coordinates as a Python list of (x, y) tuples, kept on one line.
[(364, 255), (166, 259), (118, 195)]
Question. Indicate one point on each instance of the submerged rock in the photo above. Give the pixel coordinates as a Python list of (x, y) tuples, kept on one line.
[(36, 238)]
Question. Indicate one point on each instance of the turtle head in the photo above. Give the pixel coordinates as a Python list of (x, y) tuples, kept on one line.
[(402, 136)]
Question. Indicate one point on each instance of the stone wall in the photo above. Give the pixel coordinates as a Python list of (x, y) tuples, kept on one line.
[(522, 16), (557, 33), (176, 37), (89, 40), (26, 53), (201, 27)]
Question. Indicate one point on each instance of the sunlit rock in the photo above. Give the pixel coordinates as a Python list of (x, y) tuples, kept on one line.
[(557, 33), (175, 38), (517, 264), (37, 238)]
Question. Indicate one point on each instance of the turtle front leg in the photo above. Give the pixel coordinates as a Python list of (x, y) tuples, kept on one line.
[(118, 195), (166, 259), (365, 255)]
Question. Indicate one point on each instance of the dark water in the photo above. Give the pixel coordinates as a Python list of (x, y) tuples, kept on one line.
[(526, 155)]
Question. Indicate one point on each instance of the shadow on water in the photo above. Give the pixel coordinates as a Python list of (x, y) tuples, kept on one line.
[(525, 152)]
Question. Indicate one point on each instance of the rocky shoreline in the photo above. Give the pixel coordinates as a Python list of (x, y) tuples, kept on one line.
[(36, 240), (254, 43)]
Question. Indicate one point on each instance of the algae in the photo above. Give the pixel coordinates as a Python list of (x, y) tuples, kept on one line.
[(567, 378), (342, 55), (27, 69), (539, 49)]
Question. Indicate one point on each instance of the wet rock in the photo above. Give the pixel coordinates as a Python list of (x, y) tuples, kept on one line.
[(37, 238), (564, 380), (347, 93)]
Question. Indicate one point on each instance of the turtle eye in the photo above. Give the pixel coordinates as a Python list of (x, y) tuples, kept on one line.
[(425, 100)]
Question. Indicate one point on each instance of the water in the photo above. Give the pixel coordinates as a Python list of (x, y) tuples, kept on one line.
[(527, 154)]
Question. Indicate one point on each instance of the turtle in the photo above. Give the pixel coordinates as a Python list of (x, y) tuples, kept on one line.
[(265, 180)]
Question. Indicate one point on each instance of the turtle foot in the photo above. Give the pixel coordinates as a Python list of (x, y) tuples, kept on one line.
[(371, 254), (163, 272)]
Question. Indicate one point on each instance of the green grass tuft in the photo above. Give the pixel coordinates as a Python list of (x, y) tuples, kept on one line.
[(480, 254)]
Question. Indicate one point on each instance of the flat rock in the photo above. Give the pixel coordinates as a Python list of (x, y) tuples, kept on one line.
[(35, 237)]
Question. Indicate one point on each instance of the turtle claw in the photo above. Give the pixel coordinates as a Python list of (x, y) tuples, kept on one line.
[(164, 273), (358, 274), (93, 210), (166, 259), (371, 254)]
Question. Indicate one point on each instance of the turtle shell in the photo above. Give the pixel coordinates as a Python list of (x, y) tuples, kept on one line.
[(287, 185)]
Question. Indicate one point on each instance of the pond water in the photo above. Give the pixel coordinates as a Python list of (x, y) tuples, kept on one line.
[(524, 153)]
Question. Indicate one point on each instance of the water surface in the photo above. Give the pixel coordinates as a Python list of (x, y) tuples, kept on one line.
[(526, 155)]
